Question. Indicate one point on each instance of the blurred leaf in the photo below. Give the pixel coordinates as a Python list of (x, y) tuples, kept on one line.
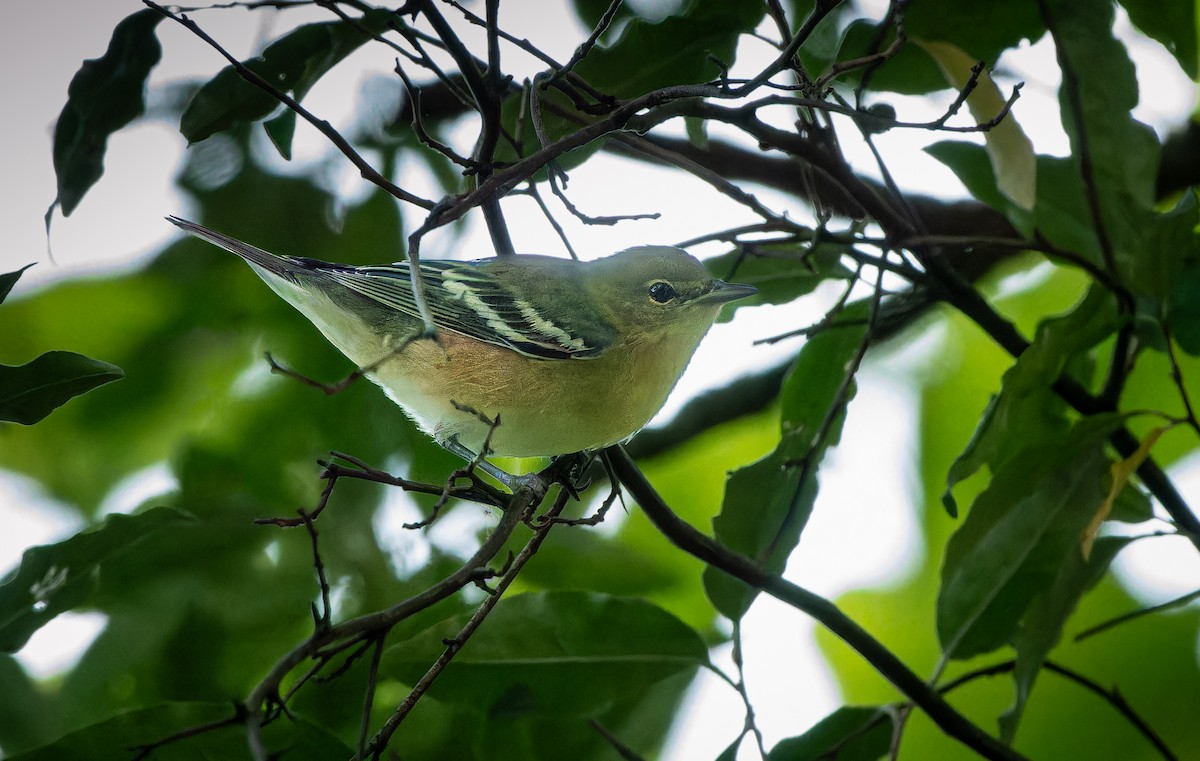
[(194, 361), (293, 64), (104, 95), (851, 733), (55, 578), (27, 718), (32, 391), (781, 273), (1173, 23), (1018, 535), (1062, 214), (1042, 626), (767, 503), (1008, 148), (1026, 412), (1132, 506), (536, 649), (1183, 309), (8, 280), (115, 739), (1170, 246)]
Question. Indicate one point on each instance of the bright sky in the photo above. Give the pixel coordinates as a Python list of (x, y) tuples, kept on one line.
[(120, 224)]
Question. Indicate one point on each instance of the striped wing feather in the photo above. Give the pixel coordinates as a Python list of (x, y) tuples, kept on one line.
[(466, 299)]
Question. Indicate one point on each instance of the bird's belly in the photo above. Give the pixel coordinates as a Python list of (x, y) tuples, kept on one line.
[(545, 407)]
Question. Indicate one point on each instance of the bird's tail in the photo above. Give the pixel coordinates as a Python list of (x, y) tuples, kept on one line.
[(275, 265)]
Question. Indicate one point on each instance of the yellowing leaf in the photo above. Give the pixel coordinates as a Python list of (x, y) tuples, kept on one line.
[(1009, 149), (1121, 471)]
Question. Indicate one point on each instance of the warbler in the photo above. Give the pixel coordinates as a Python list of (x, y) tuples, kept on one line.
[(534, 355)]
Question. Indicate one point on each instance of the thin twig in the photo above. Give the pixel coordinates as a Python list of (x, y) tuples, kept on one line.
[(418, 124), (323, 619), (838, 68), (145, 751), (808, 463), (603, 102), (369, 697), (522, 501), (1133, 615), (719, 183), (1112, 697), (533, 193), (587, 219), (586, 46), (751, 725), (1177, 376), (614, 742), (594, 519)]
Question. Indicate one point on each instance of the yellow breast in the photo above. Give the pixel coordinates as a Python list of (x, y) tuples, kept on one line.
[(546, 407)]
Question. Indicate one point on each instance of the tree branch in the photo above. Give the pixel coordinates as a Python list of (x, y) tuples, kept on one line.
[(687, 538)]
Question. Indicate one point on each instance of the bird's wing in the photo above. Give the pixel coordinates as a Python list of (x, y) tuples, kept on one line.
[(465, 298)]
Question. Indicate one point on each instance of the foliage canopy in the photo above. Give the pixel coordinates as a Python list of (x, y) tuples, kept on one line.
[(1048, 416)]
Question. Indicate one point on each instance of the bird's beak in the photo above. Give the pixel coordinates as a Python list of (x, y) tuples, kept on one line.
[(722, 292)]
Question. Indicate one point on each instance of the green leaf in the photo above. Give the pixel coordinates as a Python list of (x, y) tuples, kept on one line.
[(32, 391), (687, 47), (1132, 506), (1042, 626), (104, 95), (293, 64), (1018, 535), (1124, 153), (731, 752), (27, 716), (1026, 413), (767, 503), (974, 166), (9, 279), (1183, 309), (535, 650), (1173, 23), (589, 12), (781, 273), (281, 130), (1009, 149), (1170, 244), (851, 733), (55, 578), (683, 48), (116, 738), (1062, 214), (982, 30)]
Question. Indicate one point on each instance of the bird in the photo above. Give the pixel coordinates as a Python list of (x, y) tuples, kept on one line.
[(529, 356)]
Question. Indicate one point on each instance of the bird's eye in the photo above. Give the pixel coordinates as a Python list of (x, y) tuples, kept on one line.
[(661, 292)]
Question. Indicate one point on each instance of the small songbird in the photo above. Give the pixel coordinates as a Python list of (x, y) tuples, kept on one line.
[(567, 355)]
